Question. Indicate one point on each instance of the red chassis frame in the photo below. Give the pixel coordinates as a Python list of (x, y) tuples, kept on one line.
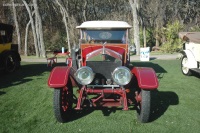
[(103, 102)]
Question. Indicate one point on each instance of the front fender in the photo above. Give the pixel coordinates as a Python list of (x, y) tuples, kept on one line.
[(192, 63), (59, 77), (146, 77)]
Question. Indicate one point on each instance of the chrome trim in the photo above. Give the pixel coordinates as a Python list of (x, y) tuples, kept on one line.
[(106, 51), (125, 68), (103, 51), (103, 86), (87, 68)]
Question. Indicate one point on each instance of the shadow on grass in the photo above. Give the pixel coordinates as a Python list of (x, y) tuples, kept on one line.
[(24, 74), (160, 103), (196, 74), (153, 58), (78, 114), (108, 111), (1, 93), (157, 68)]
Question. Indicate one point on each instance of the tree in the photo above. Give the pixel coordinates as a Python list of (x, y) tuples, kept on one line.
[(84, 10), (33, 27), (142, 18), (55, 20), (26, 39), (16, 26), (65, 16), (39, 29), (135, 25), (2, 13)]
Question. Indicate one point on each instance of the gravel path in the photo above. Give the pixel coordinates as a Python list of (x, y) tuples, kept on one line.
[(132, 58)]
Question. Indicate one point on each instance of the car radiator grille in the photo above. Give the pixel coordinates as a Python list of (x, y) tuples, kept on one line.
[(103, 69)]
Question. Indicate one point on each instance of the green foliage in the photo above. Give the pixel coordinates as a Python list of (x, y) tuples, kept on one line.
[(149, 38), (55, 41), (195, 29), (171, 43)]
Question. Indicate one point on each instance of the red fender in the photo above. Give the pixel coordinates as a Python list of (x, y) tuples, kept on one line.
[(59, 77), (146, 77)]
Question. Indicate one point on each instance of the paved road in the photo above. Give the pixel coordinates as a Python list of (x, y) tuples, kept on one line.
[(132, 58), (27, 59), (158, 57)]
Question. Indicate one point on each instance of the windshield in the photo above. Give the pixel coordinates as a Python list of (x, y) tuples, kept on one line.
[(101, 36)]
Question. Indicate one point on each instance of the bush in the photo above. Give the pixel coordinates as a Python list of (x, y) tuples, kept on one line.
[(172, 42), (195, 29), (55, 41)]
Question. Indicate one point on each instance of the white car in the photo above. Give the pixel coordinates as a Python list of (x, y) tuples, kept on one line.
[(191, 54)]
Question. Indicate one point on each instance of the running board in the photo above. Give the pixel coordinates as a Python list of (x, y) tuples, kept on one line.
[(196, 70)]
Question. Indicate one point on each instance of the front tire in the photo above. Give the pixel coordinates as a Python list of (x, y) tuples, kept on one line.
[(62, 103), (10, 62), (144, 106), (185, 70)]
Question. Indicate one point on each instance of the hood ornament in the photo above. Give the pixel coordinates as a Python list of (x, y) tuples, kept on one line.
[(103, 50)]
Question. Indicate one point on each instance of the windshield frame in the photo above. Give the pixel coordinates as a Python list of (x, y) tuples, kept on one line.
[(113, 36)]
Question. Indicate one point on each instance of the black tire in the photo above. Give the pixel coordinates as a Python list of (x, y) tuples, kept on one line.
[(63, 97), (144, 107), (10, 62), (185, 70)]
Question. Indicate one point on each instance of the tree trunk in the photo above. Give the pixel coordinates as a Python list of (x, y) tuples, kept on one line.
[(26, 39), (64, 13), (143, 32), (84, 10), (2, 13), (33, 28), (144, 36), (39, 29), (37, 35), (16, 27), (135, 25), (157, 36)]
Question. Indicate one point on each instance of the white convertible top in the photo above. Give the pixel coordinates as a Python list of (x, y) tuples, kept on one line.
[(104, 25)]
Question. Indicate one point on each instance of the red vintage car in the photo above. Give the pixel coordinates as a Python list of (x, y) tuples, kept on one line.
[(100, 69)]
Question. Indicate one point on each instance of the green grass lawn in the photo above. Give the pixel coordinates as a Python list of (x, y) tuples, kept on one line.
[(26, 105)]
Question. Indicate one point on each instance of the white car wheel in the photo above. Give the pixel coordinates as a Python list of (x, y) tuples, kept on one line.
[(184, 67)]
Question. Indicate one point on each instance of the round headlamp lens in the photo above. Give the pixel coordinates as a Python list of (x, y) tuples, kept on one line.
[(84, 75), (122, 75)]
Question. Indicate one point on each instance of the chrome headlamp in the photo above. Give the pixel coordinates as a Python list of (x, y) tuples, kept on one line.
[(122, 75), (84, 75)]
